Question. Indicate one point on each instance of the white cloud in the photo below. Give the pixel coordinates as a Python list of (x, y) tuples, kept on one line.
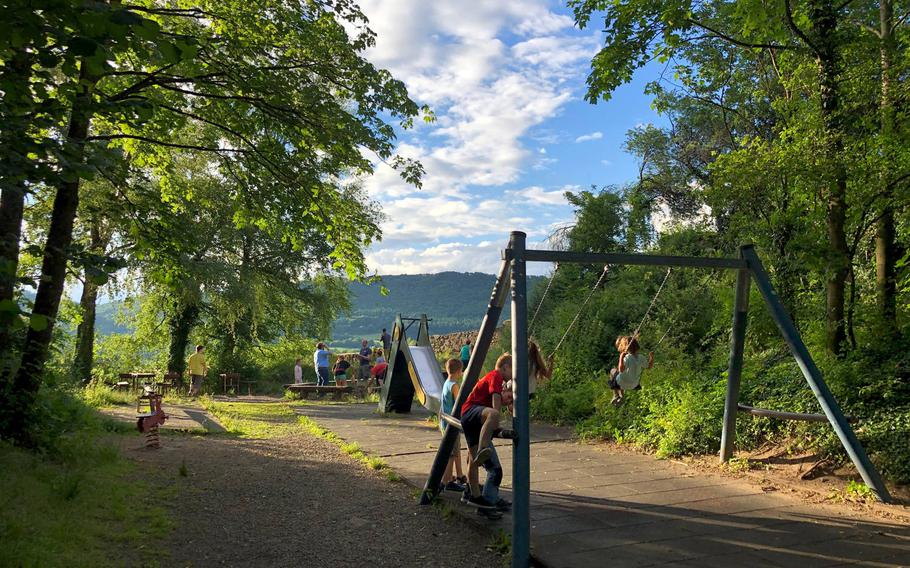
[(492, 72), (538, 195), (588, 137)]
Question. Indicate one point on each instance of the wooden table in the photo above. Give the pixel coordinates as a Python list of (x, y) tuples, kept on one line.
[(135, 378)]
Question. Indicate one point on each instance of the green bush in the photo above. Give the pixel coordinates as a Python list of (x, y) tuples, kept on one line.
[(885, 435)]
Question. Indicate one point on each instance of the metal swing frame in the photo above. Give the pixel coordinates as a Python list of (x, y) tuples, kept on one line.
[(512, 278)]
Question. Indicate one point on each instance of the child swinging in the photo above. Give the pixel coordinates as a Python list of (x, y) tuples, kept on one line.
[(627, 375)]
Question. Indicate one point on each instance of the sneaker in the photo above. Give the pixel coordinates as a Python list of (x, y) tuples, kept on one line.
[(454, 486), (619, 402), (503, 505), (466, 495), (491, 514), (462, 480), (615, 400), (482, 456), (481, 503)]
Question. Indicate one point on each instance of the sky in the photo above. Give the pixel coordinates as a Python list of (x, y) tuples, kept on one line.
[(506, 81)]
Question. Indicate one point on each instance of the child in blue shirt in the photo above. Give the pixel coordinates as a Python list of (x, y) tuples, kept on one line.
[(449, 394)]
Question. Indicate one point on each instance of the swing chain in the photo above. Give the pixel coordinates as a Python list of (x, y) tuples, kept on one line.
[(581, 309), (653, 301), (542, 298)]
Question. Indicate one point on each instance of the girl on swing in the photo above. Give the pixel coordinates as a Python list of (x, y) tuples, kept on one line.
[(627, 375)]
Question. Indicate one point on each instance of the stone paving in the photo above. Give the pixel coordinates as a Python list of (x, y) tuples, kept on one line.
[(592, 507)]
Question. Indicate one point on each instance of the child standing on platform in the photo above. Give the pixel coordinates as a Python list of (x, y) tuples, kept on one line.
[(449, 394), (341, 371)]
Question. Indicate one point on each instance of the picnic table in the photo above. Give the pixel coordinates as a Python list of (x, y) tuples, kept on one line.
[(135, 378)]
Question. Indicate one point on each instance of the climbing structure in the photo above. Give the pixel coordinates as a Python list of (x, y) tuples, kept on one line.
[(413, 370)]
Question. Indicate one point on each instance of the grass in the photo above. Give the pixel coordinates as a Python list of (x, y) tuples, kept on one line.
[(100, 395), (352, 449), (501, 543), (80, 507), (252, 419), (272, 420)]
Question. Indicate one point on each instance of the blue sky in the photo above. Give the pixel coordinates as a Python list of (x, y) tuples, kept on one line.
[(506, 81)]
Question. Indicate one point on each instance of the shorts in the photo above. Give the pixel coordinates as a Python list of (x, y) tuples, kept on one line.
[(471, 423), (612, 382), (196, 381)]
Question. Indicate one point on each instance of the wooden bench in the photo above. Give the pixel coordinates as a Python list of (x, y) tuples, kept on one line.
[(305, 389)]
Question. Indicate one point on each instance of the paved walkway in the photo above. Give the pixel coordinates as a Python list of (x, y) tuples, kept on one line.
[(590, 507)]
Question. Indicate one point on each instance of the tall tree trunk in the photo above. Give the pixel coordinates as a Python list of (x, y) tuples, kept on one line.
[(16, 407), (85, 333), (13, 162), (823, 17), (181, 326), (885, 247)]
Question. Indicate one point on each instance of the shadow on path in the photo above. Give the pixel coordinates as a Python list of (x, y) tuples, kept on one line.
[(594, 507)]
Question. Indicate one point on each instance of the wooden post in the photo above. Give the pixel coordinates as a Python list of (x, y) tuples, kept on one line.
[(734, 370)]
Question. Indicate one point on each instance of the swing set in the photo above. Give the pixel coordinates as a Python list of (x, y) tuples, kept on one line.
[(583, 304), (512, 281)]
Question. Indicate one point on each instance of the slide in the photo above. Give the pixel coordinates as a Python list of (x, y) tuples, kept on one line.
[(427, 377)]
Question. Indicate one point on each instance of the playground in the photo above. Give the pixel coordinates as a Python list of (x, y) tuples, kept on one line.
[(308, 283), (266, 479)]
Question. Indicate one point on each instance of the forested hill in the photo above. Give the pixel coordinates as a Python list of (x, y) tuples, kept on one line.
[(455, 301)]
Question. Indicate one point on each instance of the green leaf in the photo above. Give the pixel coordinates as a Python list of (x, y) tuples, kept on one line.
[(148, 29), (38, 322), (83, 46)]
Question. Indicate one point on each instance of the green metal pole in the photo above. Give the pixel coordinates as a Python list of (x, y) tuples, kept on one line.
[(814, 378), (521, 450), (734, 371)]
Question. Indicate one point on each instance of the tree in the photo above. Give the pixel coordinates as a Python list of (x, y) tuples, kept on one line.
[(291, 103), (816, 129)]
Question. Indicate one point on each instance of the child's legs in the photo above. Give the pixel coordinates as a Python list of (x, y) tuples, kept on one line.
[(494, 477), (456, 455), (472, 473), (490, 424), (614, 383), (447, 476)]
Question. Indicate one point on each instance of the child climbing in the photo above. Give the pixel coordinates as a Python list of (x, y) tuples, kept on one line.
[(627, 375), (449, 394), (341, 371), (479, 419)]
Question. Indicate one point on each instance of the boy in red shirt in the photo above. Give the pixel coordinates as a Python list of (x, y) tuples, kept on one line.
[(479, 420)]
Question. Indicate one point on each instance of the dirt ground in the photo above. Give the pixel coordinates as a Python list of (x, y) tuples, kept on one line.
[(806, 476), (294, 501)]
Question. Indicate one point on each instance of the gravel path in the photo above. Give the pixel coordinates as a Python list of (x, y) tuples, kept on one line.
[(296, 501)]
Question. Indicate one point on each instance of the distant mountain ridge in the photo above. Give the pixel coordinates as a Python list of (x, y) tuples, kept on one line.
[(454, 301)]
